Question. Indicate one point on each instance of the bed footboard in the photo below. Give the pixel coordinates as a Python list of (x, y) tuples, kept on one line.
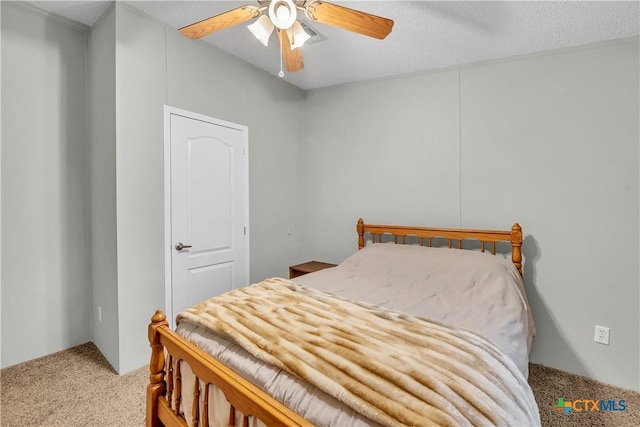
[(165, 387)]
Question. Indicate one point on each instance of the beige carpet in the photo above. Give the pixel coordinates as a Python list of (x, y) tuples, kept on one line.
[(550, 384), (77, 387)]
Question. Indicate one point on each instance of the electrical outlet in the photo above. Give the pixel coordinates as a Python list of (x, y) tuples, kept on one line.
[(602, 335)]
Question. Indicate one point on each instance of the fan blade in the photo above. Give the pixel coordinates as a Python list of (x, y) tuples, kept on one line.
[(221, 21), (349, 19), (292, 58)]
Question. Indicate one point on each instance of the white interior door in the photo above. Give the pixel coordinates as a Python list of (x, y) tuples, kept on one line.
[(208, 209)]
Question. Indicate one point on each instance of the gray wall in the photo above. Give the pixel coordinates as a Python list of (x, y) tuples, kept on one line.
[(550, 141), (157, 66), (102, 166), (140, 95), (386, 150), (45, 238), (566, 128)]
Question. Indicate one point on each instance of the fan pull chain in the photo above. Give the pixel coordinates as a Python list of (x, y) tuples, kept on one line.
[(281, 73)]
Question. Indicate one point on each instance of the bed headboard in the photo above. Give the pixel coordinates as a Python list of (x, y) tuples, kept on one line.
[(457, 235)]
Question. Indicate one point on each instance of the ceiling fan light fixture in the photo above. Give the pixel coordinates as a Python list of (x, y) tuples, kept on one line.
[(297, 35), (283, 13), (262, 29)]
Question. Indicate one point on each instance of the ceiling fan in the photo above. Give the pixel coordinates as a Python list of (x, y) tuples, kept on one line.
[(282, 15)]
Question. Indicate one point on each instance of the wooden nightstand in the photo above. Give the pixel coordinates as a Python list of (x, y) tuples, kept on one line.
[(308, 267)]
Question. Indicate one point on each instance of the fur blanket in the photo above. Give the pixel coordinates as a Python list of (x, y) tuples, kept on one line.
[(393, 368)]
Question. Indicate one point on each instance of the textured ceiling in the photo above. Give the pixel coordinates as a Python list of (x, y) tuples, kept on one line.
[(426, 35)]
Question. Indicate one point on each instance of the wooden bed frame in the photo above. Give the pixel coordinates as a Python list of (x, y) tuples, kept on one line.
[(167, 347)]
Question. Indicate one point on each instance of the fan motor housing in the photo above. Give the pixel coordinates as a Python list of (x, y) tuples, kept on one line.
[(283, 13)]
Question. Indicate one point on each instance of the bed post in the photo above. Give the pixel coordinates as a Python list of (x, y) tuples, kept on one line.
[(360, 229), (157, 385), (516, 246)]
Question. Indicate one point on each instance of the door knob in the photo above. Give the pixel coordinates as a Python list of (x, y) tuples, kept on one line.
[(180, 246)]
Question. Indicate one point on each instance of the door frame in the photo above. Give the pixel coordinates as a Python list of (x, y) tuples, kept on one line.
[(168, 244)]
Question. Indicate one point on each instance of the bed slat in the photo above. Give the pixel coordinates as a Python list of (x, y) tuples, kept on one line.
[(169, 379), (205, 407), (178, 389), (232, 417), (195, 410)]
